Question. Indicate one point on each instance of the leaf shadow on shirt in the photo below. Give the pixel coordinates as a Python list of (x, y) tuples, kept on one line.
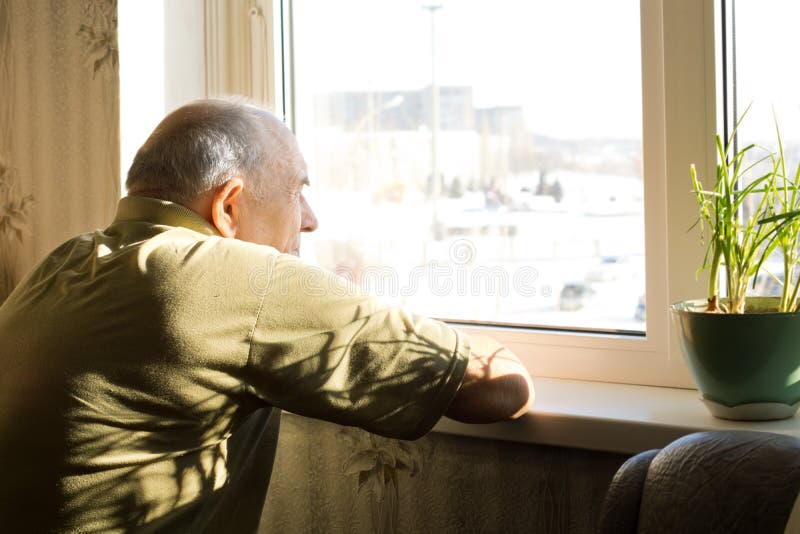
[(345, 383), (83, 466), (87, 463)]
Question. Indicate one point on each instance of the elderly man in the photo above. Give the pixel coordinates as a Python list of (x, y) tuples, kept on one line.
[(142, 366)]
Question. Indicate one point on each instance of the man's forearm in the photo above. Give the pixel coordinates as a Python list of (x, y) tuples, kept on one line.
[(496, 387)]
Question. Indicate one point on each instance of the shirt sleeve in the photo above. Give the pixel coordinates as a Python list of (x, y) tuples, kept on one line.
[(321, 349)]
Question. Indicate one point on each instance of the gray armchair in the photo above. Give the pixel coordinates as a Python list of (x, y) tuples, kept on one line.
[(711, 482)]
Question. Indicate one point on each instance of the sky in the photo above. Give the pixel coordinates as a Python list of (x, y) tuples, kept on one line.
[(767, 75), (574, 65)]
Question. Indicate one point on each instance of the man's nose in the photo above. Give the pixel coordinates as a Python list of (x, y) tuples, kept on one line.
[(308, 221)]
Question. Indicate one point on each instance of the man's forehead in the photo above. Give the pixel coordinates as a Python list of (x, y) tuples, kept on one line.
[(284, 143), (301, 177), (296, 171)]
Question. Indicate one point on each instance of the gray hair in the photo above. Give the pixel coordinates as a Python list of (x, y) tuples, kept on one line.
[(200, 146)]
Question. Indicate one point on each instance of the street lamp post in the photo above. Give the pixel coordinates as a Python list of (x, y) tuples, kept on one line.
[(436, 183)]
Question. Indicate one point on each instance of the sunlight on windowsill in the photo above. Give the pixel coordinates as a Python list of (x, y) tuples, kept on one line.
[(611, 417)]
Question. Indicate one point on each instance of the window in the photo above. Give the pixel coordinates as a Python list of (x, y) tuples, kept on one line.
[(477, 161), (359, 89)]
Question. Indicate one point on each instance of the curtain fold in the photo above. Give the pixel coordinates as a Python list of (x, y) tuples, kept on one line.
[(59, 81)]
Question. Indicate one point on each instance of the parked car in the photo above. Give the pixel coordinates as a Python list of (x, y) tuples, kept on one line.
[(641, 311), (575, 296)]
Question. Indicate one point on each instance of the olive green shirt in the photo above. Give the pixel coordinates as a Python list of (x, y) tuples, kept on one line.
[(140, 364)]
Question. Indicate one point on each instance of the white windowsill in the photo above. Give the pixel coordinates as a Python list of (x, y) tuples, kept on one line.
[(610, 417)]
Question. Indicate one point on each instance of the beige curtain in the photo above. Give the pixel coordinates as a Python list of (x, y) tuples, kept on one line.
[(59, 113), (334, 479)]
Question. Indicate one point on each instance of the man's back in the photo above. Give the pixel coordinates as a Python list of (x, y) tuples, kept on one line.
[(129, 356), (121, 358)]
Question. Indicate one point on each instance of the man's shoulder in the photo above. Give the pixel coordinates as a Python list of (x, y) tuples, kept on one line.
[(183, 250), (216, 248)]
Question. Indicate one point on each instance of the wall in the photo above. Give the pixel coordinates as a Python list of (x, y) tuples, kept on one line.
[(162, 65), (184, 53)]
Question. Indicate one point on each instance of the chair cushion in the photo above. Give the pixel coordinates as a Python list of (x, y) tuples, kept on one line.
[(722, 482)]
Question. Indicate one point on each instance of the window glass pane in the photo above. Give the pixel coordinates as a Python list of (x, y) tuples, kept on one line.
[(478, 161), (761, 39), (764, 39)]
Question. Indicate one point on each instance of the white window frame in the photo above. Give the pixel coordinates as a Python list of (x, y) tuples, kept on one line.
[(679, 124)]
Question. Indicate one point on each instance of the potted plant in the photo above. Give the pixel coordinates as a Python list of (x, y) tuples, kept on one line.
[(743, 351)]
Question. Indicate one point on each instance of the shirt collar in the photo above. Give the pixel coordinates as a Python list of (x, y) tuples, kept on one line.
[(162, 212)]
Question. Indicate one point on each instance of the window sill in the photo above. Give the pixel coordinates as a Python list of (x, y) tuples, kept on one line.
[(610, 417)]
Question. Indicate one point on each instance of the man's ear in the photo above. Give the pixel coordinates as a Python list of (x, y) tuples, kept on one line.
[(226, 207)]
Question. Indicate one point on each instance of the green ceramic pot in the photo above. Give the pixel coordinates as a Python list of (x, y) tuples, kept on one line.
[(746, 366)]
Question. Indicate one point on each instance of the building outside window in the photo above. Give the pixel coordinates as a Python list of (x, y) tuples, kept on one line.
[(478, 163)]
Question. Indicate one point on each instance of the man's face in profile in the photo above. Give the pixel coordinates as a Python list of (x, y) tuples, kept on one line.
[(283, 214)]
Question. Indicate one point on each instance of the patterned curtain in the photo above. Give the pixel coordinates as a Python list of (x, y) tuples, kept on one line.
[(59, 126), (333, 479)]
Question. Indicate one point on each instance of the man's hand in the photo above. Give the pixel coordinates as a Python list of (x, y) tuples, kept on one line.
[(496, 387)]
